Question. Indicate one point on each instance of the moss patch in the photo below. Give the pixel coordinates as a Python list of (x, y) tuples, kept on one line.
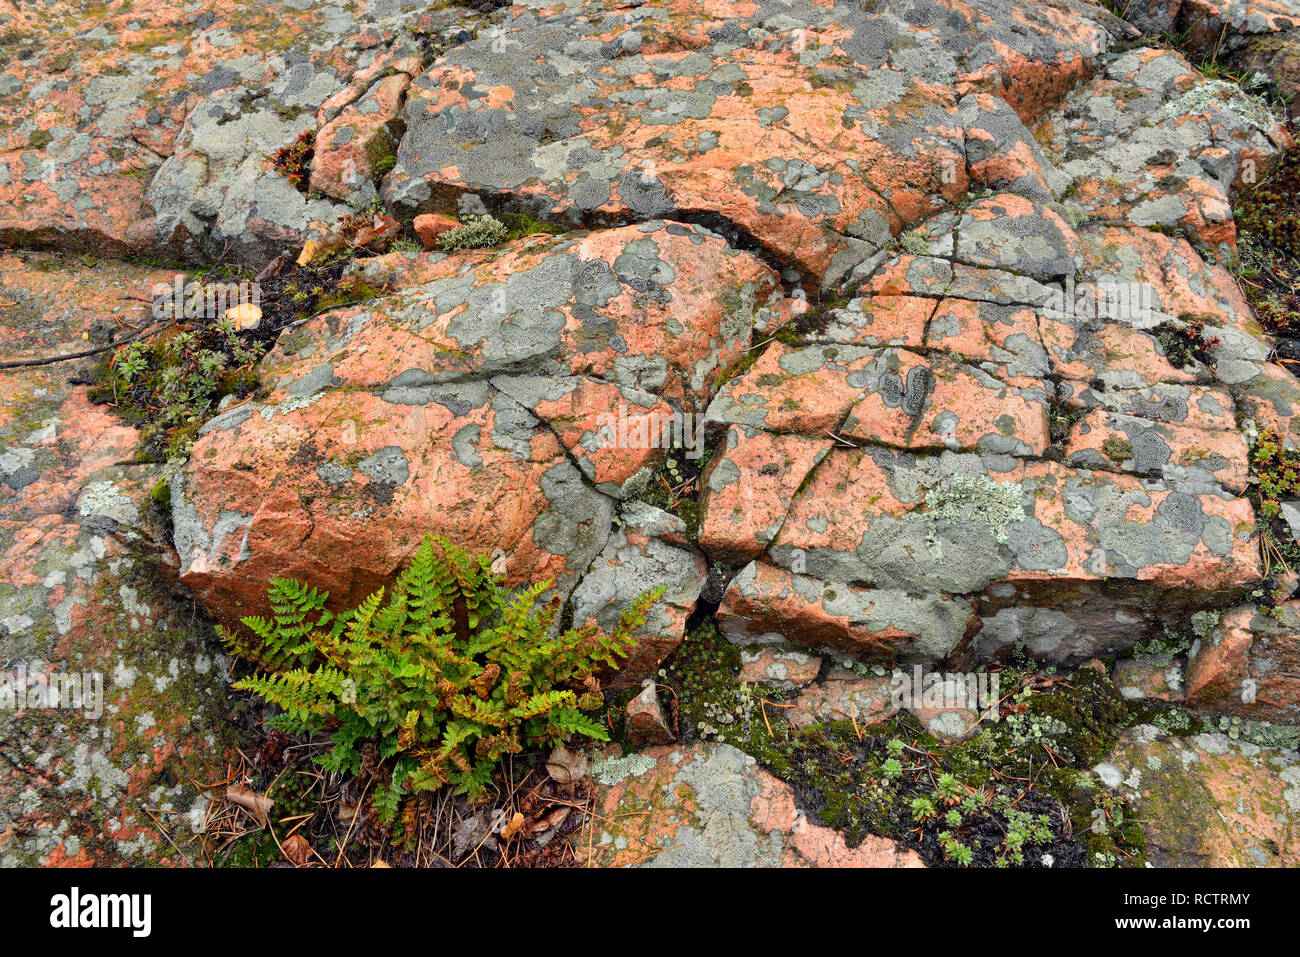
[(167, 385), (1268, 228), (1276, 471), (1019, 793), (1117, 449)]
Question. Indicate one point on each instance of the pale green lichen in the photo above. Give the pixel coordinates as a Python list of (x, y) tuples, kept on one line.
[(1221, 95), (1203, 622), (477, 232), (962, 497), (1162, 649), (914, 244), (611, 771), (1072, 213), (1262, 734)]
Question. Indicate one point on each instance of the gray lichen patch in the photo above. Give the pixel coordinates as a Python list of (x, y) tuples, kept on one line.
[(963, 497)]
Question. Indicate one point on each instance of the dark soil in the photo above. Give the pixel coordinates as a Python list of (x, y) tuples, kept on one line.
[(319, 807), (288, 294), (983, 831)]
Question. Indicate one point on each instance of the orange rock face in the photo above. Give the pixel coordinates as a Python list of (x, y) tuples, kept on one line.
[(1207, 800), (430, 227), (509, 408), (710, 805), (902, 335), (1246, 665), (84, 566), (1052, 445)]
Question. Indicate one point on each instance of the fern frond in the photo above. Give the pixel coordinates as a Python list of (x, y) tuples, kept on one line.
[(360, 620), (445, 672), (539, 704), (387, 800), (484, 712), (300, 693), (473, 780), (573, 721), (634, 616)]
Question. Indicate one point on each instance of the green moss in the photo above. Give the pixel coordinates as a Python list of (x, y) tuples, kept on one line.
[(295, 791), (1181, 341), (344, 295), (161, 494), (1268, 231), (381, 153), (712, 704), (1269, 211), (1161, 650), (675, 488), (1092, 712), (519, 225), (169, 384), (739, 368), (1277, 470), (253, 850), (865, 779), (1061, 421), (1117, 450)]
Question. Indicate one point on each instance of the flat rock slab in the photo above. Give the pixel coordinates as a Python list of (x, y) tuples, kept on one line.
[(1157, 680), (934, 292), (1035, 522), (84, 591), (1138, 121), (711, 806), (1253, 36), (814, 130), (765, 603), (133, 132), (957, 429), (1209, 801), (888, 396), (844, 695)]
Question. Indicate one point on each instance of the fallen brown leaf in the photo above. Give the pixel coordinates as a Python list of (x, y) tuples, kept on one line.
[(309, 252), (567, 766), (258, 805), (296, 850), (554, 819)]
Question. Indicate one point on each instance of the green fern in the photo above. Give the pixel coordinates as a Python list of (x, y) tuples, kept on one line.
[(447, 671), (275, 645)]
